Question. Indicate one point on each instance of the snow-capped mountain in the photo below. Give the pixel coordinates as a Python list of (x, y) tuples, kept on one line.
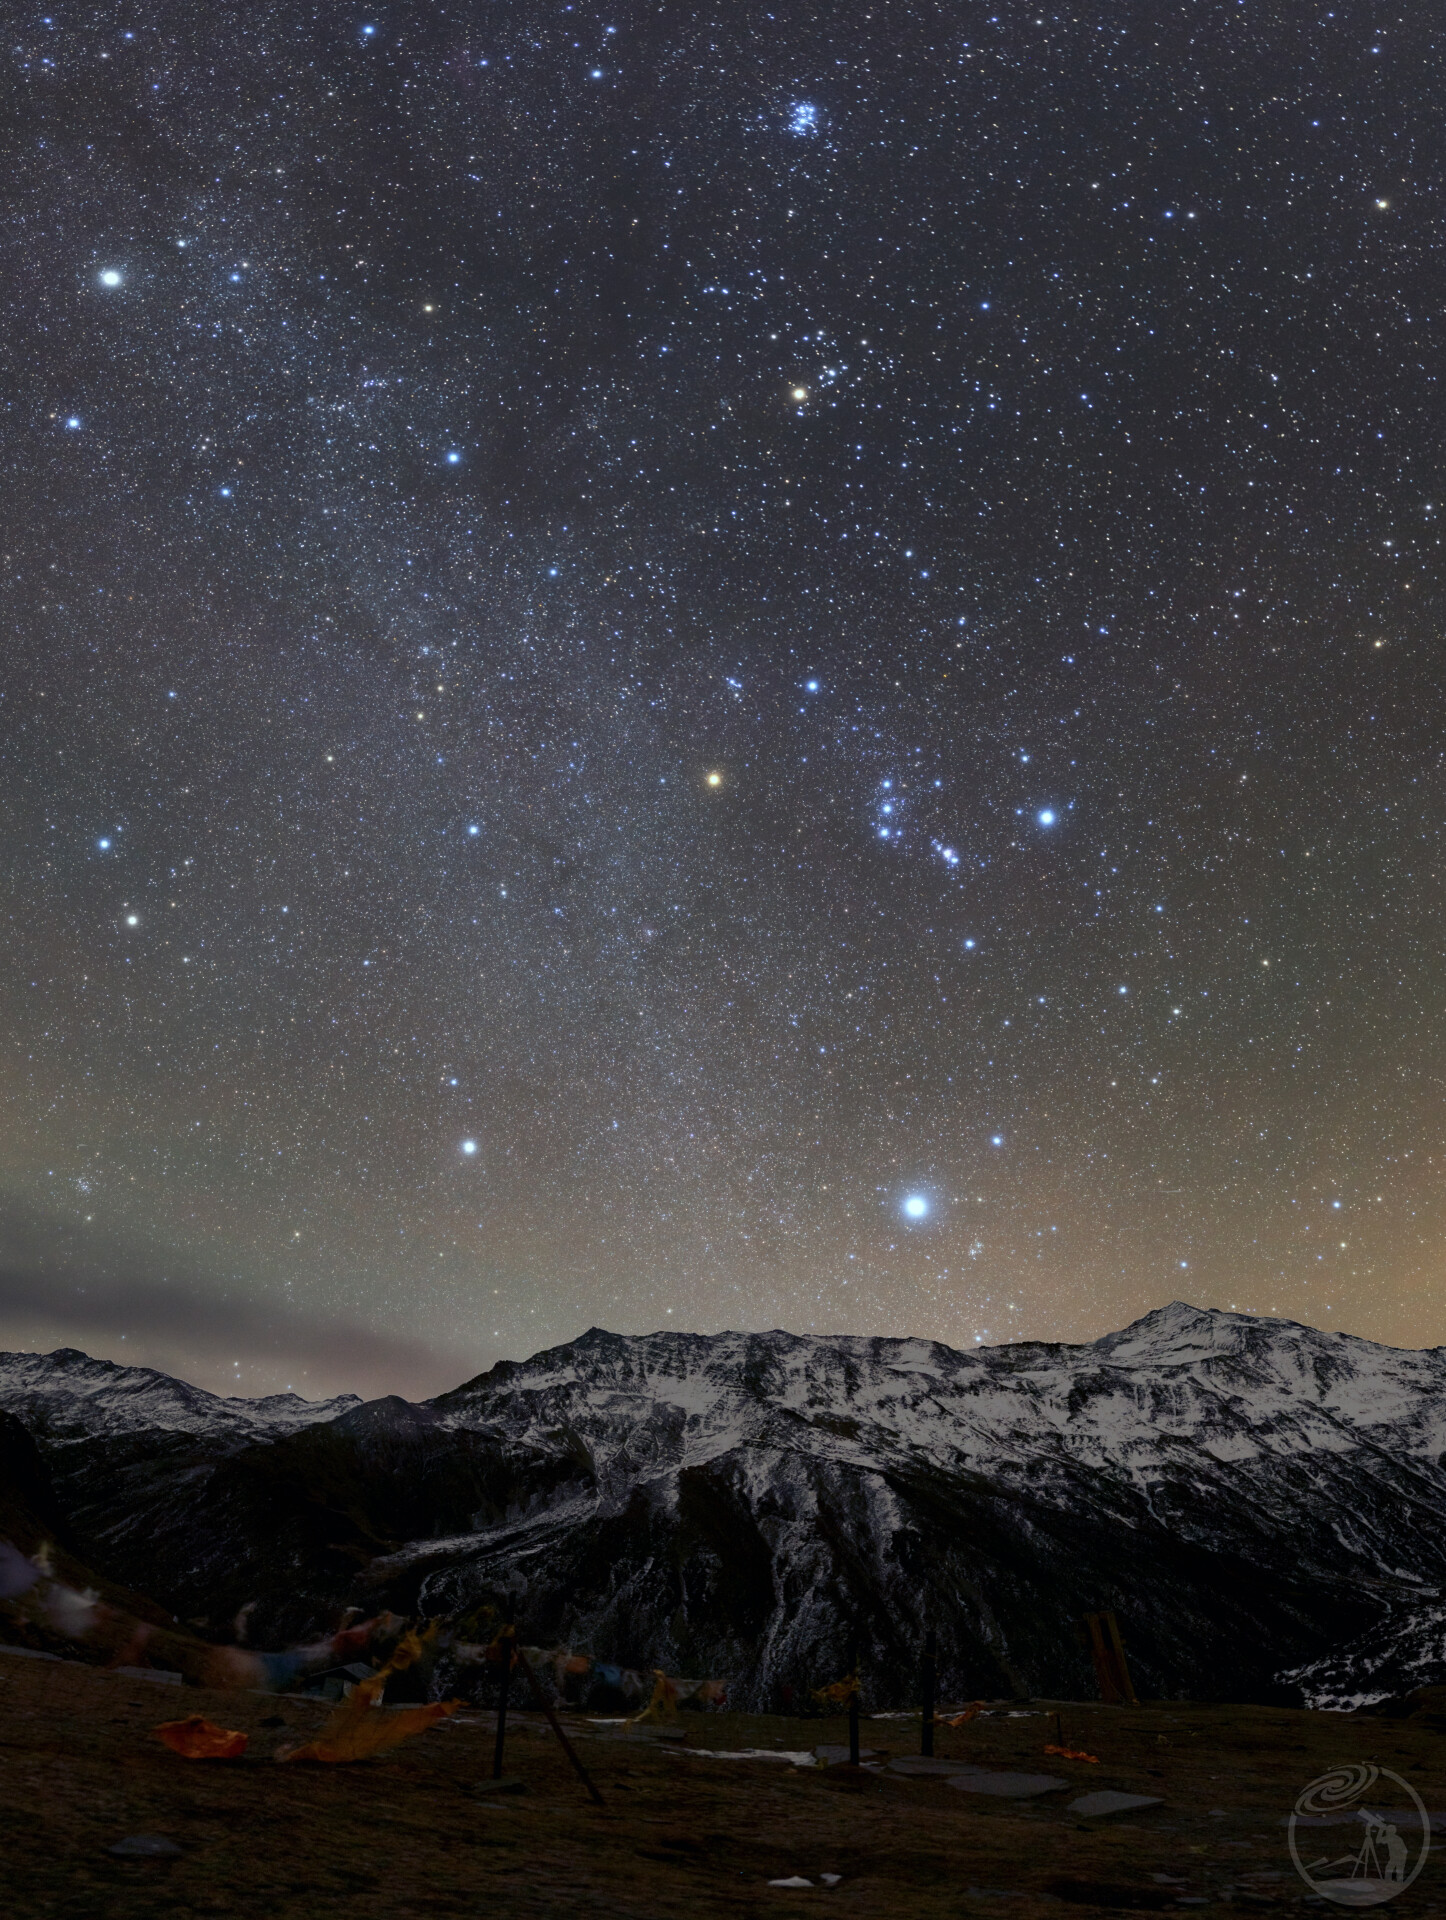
[(1254, 1499), (66, 1395)]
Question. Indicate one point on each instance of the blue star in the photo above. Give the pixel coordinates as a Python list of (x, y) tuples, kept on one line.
[(469, 1147), (916, 1206), (1046, 816)]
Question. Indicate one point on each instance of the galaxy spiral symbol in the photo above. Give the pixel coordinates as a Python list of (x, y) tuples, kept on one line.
[(1387, 1844)]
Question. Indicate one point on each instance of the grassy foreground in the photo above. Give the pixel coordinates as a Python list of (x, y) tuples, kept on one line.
[(409, 1834)]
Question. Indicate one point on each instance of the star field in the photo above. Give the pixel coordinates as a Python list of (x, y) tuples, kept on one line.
[(699, 669)]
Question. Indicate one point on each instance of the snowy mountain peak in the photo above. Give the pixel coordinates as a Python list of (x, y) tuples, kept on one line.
[(1179, 1334), (68, 1395)]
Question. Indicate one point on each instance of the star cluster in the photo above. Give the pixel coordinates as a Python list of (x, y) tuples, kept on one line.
[(717, 669)]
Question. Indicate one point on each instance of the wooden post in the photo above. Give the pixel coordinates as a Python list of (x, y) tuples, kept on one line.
[(854, 1703), (926, 1729), (556, 1725), (507, 1640), (1122, 1671), (1108, 1652), (1109, 1692)]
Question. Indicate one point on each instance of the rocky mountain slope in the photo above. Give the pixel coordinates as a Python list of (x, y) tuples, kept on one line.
[(1258, 1501)]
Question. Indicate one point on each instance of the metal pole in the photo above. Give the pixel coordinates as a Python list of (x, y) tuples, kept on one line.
[(507, 1640), (854, 1703), (926, 1730), (556, 1725)]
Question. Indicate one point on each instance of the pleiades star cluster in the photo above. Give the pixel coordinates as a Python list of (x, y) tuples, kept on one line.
[(696, 668)]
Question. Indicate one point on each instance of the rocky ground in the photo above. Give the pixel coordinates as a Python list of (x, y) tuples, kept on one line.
[(415, 1832)]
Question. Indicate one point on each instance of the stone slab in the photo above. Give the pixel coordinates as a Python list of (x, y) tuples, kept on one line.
[(1007, 1786), (1099, 1806)]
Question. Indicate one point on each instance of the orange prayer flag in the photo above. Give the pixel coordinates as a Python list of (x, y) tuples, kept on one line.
[(371, 1730), (840, 1693), (664, 1702), (360, 1728), (963, 1719), (198, 1739)]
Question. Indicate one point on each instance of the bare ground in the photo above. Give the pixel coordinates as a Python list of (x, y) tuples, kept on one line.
[(680, 1837)]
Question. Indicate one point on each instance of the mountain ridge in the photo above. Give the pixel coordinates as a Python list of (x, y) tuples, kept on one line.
[(1254, 1498), (39, 1383)]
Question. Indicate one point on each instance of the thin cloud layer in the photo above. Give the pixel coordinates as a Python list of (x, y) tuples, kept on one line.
[(217, 1335)]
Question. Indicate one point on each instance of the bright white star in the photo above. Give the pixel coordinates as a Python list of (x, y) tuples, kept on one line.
[(916, 1206)]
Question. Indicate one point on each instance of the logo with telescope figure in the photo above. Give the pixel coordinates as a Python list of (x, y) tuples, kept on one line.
[(1359, 1835)]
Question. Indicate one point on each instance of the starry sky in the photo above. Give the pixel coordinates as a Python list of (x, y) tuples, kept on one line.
[(695, 668)]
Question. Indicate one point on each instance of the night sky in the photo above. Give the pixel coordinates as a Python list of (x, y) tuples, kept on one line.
[(716, 668)]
